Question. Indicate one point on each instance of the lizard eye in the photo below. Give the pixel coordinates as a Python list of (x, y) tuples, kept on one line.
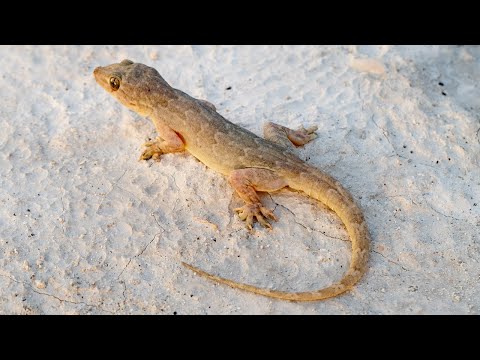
[(114, 83)]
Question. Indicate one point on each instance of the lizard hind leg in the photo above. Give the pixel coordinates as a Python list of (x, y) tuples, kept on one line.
[(288, 138), (247, 182)]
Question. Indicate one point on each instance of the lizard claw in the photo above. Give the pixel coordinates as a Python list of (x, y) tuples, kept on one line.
[(250, 211)]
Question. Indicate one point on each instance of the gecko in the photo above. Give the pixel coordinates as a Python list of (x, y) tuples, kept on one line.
[(251, 164)]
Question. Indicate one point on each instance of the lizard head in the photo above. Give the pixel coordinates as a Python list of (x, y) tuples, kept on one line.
[(135, 85)]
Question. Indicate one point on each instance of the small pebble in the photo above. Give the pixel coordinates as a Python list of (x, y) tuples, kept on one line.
[(39, 284)]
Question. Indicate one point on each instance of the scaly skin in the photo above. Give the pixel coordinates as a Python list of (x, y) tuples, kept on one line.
[(251, 163)]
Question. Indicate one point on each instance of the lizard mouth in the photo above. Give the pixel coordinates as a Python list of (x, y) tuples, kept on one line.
[(101, 77), (96, 72)]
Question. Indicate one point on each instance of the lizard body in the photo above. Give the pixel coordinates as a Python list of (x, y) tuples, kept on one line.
[(251, 163)]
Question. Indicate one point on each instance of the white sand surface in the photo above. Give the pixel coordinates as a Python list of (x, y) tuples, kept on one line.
[(86, 228)]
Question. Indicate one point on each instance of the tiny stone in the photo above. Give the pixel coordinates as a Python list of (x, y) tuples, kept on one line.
[(25, 265), (39, 284)]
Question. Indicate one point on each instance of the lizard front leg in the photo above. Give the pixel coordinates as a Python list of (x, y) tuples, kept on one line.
[(286, 137), (168, 141), (247, 182)]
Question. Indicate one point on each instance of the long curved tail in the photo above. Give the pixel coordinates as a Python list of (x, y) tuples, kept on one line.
[(324, 188)]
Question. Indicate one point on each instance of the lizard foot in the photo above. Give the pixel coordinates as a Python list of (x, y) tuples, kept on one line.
[(250, 211), (302, 136), (152, 151)]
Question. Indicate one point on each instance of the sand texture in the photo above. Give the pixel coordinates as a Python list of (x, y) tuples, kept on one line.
[(86, 228)]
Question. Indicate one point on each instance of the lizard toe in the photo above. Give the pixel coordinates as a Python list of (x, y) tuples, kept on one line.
[(249, 212), (263, 221), (152, 151), (302, 136), (268, 213)]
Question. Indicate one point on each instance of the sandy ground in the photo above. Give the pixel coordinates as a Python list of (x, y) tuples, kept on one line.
[(86, 228)]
